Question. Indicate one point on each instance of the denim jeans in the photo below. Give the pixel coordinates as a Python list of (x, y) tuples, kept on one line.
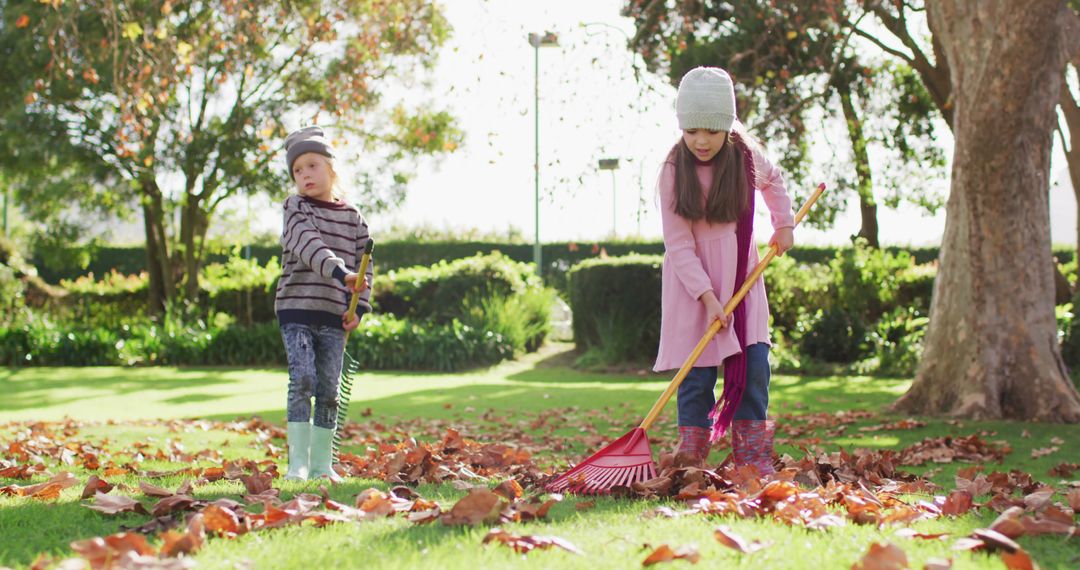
[(315, 354), (697, 392)]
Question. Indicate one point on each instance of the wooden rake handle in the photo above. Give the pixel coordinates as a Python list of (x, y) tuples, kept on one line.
[(715, 326), (361, 274)]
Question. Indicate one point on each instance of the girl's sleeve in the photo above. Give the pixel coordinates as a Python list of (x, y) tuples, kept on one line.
[(679, 239), (363, 233), (299, 235), (770, 182)]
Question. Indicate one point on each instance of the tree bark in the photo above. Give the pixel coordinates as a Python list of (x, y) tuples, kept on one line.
[(991, 347), (865, 183), (193, 228), (158, 263)]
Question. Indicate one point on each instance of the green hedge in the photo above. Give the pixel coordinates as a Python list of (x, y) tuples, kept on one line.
[(616, 306), (381, 343), (864, 307), (558, 257)]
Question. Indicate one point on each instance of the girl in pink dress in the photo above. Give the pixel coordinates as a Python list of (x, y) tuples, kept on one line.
[(707, 202)]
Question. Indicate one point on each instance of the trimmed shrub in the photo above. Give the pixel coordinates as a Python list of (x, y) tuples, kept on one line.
[(440, 292), (616, 305), (380, 343), (833, 335)]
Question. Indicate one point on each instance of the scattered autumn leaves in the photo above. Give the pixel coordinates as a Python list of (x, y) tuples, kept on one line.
[(820, 491)]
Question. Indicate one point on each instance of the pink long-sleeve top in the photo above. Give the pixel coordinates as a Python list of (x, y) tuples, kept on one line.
[(700, 256)]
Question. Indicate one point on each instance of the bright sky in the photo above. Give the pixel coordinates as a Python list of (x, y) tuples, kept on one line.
[(590, 107)]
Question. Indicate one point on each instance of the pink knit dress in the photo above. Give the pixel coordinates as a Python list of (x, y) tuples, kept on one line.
[(700, 256)]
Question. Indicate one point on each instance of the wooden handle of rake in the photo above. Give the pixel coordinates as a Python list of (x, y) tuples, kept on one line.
[(715, 326), (360, 274)]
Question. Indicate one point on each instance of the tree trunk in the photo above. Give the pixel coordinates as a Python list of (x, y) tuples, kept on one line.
[(157, 246), (865, 183), (991, 347), (1071, 110), (193, 228)]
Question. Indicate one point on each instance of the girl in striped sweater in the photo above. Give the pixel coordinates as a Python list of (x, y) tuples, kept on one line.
[(322, 239)]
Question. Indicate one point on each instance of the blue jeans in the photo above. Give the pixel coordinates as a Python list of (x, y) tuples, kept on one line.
[(697, 392), (315, 355)]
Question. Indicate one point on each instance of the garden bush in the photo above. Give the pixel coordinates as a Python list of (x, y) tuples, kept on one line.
[(380, 343), (616, 306)]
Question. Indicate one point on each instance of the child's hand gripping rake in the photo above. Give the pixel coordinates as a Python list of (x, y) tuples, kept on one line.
[(349, 366), (629, 459)]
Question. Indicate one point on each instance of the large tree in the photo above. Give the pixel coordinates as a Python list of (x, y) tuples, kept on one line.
[(793, 61), (991, 347), (186, 104)]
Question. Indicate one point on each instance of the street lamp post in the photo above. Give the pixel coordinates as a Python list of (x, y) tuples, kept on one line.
[(537, 41), (612, 164)]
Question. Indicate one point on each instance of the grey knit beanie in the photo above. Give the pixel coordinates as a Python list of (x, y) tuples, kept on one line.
[(307, 139), (706, 100)]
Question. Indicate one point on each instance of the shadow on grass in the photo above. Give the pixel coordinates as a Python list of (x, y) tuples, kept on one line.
[(28, 388)]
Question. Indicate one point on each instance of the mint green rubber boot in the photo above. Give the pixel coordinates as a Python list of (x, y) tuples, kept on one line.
[(322, 455), (299, 451)]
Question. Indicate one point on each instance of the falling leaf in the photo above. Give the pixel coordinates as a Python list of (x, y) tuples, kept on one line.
[(22, 21), (586, 505), (665, 553), (116, 504), (882, 557), (725, 536)]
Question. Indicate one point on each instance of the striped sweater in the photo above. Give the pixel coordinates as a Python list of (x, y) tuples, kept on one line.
[(319, 240)]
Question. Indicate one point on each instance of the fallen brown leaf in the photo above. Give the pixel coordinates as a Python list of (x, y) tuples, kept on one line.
[(665, 553), (153, 490), (1073, 497), (221, 521), (1018, 560), (95, 485), (480, 505), (102, 552), (509, 490), (882, 557), (175, 543), (524, 544), (728, 538), (1008, 523), (172, 504), (957, 503), (116, 504)]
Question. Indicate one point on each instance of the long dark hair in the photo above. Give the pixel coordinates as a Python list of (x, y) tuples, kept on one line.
[(729, 193)]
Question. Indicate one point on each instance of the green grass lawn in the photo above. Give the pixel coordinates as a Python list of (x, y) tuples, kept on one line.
[(491, 405)]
